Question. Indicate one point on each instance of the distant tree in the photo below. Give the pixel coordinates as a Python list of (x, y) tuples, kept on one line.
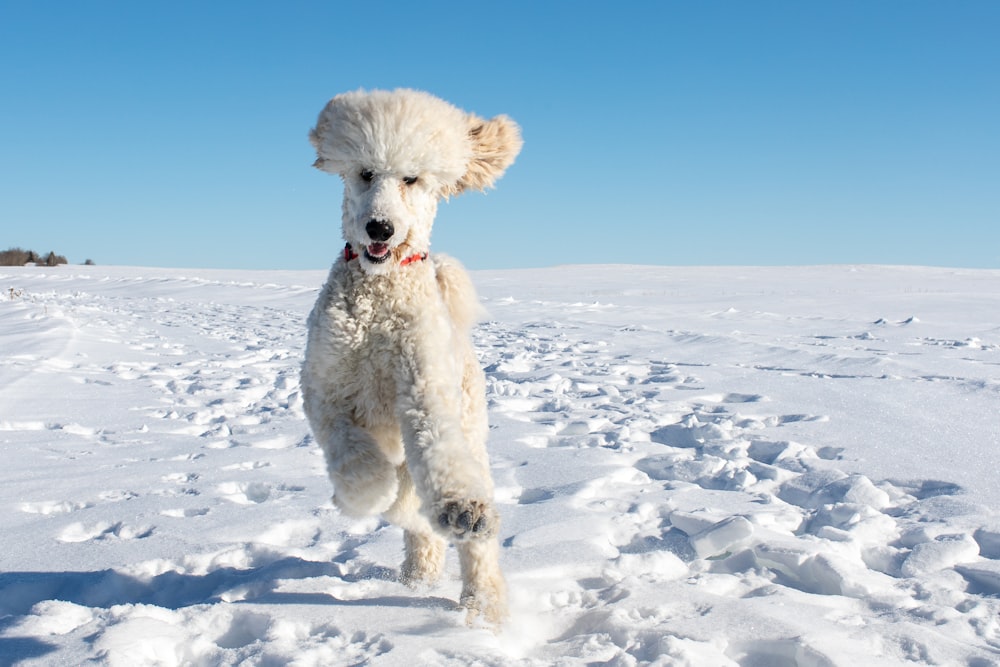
[(89, 262), (14, 257), (19, 257)]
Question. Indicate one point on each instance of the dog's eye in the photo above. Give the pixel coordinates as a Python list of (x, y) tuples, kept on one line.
[(367, 175), (410, 180)]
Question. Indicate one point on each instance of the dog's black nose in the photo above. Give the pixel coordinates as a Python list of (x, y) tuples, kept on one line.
[(379, 231)]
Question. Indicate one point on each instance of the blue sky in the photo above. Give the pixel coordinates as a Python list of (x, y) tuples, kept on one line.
[(676, 133)]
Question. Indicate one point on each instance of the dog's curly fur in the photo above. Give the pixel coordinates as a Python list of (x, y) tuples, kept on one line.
[(391, 386)]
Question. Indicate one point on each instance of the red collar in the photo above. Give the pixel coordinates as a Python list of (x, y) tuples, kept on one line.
[(349, 254)]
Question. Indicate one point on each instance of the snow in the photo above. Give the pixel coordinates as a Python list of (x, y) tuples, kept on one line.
[(694, 466)]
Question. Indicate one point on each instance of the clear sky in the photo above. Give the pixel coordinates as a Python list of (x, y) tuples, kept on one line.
[(173, 133)]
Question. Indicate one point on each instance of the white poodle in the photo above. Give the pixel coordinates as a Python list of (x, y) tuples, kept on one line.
[(392, 389)]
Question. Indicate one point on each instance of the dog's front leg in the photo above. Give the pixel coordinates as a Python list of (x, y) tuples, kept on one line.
[(455, 494), (365, 482), (455, 489)]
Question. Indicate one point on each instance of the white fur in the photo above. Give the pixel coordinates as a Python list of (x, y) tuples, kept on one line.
[(392, 389)]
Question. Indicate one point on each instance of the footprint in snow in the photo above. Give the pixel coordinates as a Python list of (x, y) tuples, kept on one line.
[(181, 477), (254, 493), (532, 496), (79, 532), (247, 465), (181, 513), (776, 652), (46, 507)]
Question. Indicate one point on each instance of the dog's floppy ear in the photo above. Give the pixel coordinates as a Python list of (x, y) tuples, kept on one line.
[(495, 144), (338, 135), (316, 138)]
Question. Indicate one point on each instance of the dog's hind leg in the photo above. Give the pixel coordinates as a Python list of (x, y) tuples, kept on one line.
[(484, 593), (424, 558), (425, 550)]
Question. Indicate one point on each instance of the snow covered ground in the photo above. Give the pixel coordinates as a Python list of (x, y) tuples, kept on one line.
[(712, 466)]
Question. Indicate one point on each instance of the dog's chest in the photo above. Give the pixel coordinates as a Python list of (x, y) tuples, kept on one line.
[(361, 345)]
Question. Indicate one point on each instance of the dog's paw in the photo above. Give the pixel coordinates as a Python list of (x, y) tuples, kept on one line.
[(466, 519), (485, 610)]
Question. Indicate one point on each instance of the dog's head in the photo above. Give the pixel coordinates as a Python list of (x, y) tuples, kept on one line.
[(400, 152)]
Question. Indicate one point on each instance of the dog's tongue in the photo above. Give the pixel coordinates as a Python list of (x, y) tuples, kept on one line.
[(378, 249)]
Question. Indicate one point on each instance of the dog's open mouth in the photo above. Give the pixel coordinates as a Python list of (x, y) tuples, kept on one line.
[(377, 252)]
